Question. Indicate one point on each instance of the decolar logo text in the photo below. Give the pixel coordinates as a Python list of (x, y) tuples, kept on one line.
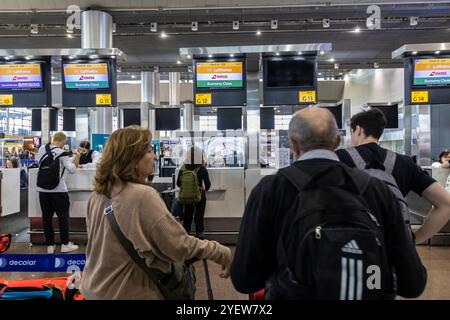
[(3, 262)]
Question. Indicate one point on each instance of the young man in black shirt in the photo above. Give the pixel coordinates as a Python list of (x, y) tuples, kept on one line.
[(313, 136), (367, 128)]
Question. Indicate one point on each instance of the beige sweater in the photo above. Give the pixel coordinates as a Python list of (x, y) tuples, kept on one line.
[(144, 219)]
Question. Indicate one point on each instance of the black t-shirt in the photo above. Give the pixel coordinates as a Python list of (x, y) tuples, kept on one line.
[(409, 176)]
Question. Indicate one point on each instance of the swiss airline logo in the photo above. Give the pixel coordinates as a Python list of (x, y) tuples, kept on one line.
[(438, 73), (219, 76), (86, 78), (19, 78)]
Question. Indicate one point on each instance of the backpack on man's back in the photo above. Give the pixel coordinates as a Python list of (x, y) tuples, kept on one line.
[(49, 176), (383, 175), (190, 192), (330, 244)]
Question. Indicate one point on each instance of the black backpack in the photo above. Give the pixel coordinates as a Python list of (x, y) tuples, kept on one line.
[(330, 246), (48, 175)]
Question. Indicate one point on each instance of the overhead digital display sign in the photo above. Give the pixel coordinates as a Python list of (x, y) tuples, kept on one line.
[(220, 75), (89, 76), (431, 72), (23, 76)]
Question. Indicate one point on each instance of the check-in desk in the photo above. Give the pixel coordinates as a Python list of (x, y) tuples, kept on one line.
[(225, 203), (80, 187), (10, 191), (253, 176)]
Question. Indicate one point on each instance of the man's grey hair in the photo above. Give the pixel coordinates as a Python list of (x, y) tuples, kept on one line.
[(310, 133)]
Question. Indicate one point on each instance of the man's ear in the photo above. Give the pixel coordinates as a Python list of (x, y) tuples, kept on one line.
[(294, 148), (338, 141)]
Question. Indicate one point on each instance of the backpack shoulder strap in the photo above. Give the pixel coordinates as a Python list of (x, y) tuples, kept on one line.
[(356, 157), (360, 179), (389, 161), (296, 176)]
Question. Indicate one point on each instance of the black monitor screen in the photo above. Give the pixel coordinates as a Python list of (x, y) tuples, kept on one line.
[(267, 118), (167, 119), (290, 73), (391, 114), (337, 113), (229, 118), (131, 117), (69, 120), (36, 119)]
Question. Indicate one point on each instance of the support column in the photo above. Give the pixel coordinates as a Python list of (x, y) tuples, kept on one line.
[(424, 135), (149, 99), (251, 111), (407, 131), (188, 116), (96, 33), (45, 126), (174, 88)]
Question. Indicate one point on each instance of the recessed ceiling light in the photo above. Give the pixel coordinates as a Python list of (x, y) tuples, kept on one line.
[(178, 62), (414, 52), (133, 76), (69, 36), (210, 55), (357, 30), (322, 52), (258, 33), (320, 74), (300, 53), (277, 54), (163, 35), (437, 52), (232, 55), (188, 56), (331, 60)]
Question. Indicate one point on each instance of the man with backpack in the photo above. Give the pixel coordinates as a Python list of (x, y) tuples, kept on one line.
[(398, 171), (193, 180), (321, 230), (53, 194)]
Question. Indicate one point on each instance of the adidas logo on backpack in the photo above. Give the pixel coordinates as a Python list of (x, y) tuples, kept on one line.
[(351, 247)]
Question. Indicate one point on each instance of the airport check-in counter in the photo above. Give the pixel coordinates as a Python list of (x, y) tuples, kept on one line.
[(10, 191), (80, 187), (225, 203)]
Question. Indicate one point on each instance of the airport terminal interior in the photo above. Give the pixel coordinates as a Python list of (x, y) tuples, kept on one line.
[(226, 77)]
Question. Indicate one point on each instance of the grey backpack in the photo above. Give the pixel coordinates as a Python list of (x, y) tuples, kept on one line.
[(385, 176)]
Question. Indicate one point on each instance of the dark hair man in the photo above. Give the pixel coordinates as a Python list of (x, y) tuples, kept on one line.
[(367, 128), (259, 262)]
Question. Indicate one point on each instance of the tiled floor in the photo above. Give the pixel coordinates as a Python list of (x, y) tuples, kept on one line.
[(436, 260)]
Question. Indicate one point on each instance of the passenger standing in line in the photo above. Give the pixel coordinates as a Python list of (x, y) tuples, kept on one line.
[(110, 273), (444, 160), (258, 261), (195, 161), (57, 199), (367, 128), (14, 163)]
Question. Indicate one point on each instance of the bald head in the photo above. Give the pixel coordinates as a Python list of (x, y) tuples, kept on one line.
[(313, 128)]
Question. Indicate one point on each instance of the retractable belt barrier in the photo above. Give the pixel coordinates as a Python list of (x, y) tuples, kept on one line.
[(69, 263)]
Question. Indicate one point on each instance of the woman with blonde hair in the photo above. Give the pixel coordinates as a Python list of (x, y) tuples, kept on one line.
[(143, 218)]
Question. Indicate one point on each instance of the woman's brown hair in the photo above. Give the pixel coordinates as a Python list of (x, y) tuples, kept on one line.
[(124, 149)]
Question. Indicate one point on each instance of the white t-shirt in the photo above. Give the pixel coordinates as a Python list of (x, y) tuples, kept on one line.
[(64, 162)]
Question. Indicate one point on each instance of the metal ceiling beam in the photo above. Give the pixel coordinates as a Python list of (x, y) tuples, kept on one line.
[(408, 49)]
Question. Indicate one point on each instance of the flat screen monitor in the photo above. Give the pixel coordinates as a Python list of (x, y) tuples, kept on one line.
[(21, 77), (391, 114), (167, 119), (337, 113), (36, 120), (86, 76), (431, 72), (219, 75), (267, 118), (229, 118), (289, 73), (131, 117), (69, 120)]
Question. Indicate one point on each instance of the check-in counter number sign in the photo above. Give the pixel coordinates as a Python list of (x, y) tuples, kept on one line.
[(307, 96), (419, 96), (6, 100), (103, 99), (203, 98)]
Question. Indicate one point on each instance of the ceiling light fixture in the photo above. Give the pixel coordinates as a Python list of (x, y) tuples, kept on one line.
[(414, 52), (326, 23), (258, 33), (194, 25), (357, 30), (376, 65), (274, 24), (210, 55), (437, 52), (69, 36), (322, 53), (154, 26), (163, 35), (299, 53), (232, 55), (178, 62), (188, 56), (277, 54), (413, 21), (236, 25), (331, 60), (34, 29)]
